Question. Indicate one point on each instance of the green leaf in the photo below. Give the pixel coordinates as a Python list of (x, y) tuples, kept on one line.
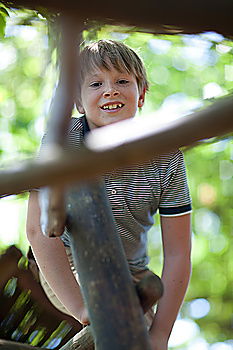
[(4, 10), (2, 24)]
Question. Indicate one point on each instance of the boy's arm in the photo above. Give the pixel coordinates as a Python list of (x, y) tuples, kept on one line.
[(53, 262), (176, 235)]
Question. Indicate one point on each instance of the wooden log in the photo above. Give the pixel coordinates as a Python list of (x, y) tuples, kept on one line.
[(74, 166), (153, 16), (83, 340), (113, 306), (10, 345), (9, 264)]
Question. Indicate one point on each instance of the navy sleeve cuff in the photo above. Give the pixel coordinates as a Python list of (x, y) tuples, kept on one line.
[(175, 210)]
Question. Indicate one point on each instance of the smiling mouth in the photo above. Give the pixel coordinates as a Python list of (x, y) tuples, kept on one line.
[(112, 106)]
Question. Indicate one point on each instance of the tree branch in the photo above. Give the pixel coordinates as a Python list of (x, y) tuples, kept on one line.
[(154, 16), (85, 164), (62, 106), (10, 345)]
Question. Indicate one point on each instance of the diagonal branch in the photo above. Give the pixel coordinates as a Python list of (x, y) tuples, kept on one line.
[(61, 111)]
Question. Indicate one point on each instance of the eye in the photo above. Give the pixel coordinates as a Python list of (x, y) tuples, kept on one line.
[(96, 84), (122, 81)]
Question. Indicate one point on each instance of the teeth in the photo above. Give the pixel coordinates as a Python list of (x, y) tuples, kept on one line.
[(114, 106)]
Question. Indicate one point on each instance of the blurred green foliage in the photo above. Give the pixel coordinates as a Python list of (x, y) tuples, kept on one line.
[(186, 72)]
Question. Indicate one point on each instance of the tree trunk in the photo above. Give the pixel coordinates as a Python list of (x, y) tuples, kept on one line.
[(113, 306)]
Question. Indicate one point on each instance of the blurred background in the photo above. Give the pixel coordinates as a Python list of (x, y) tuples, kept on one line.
[(186, 73)]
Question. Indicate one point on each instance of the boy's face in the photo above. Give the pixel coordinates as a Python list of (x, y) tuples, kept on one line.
[(109, 96)]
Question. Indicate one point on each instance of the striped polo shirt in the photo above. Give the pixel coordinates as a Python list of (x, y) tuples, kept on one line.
[(136, 193)]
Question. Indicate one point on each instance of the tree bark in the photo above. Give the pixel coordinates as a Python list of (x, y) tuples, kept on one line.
[(10, 345), (83, 340), (149, 290), (153, 16), (61, 110), (109, 293)]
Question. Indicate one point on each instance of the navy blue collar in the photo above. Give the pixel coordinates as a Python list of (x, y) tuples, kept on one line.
[(86, 128)]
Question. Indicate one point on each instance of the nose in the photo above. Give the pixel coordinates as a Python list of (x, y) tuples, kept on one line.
[(111, 92)]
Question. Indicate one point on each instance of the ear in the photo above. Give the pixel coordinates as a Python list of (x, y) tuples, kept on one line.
[(142, 98), (80, 109), (79, 106)]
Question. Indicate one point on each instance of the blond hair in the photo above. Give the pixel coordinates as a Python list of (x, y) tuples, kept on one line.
[(110, 53)]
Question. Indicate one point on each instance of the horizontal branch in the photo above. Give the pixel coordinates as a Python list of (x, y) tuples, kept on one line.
[(10, 345), (76, 166), (153, 16)]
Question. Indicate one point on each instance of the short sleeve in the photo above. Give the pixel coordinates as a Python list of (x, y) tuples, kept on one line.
[(73, 140), (175, 197)]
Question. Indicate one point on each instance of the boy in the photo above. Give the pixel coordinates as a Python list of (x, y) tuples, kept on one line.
[(112, 87)]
